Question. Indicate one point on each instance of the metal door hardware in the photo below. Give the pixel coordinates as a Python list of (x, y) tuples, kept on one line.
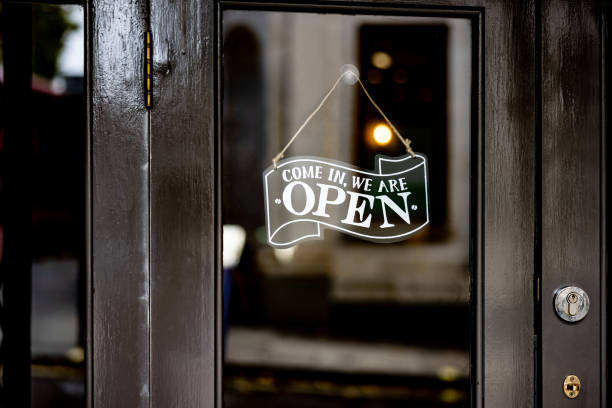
[(571, 386), (148, 68), (571, 303)]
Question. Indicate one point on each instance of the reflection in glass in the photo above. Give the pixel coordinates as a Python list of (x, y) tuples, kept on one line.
[(343, 322), (51, 185)]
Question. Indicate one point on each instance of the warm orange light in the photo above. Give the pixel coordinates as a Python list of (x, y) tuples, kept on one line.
[(381, 60), (382, 134)]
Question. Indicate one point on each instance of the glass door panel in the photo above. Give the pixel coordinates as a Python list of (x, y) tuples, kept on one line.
[(340, 321)]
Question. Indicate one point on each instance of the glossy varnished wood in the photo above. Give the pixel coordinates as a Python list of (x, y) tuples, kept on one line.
[(571, 200), (120, 208), (504, 247), (183, 312), (509, 113)]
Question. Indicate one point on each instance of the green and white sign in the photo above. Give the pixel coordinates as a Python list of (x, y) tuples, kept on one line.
[(305, 195)]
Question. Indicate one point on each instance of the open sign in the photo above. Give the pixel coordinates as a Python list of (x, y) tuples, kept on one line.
[(306, 195)]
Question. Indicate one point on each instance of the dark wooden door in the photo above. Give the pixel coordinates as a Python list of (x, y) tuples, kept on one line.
[(573, 197), (538, 218)]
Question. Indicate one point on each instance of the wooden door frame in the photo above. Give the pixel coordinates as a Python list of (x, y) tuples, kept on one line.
[(155, 226)]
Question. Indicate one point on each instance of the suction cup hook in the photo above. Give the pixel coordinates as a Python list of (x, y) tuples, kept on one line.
[(350, 74)]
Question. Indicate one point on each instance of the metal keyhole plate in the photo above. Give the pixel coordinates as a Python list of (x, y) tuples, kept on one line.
[(571, 386), (571, 303)]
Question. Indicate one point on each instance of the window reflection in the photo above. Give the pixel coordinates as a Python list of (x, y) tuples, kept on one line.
[(54, 183), (342, 322)]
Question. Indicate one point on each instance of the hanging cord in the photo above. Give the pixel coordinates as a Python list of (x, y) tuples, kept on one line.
[(405, 141)]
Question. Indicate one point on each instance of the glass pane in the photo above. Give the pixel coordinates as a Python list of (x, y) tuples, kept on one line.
[(340, 321), (42, 190)]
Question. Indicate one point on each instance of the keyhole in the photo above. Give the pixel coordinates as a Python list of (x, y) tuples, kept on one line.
[(572, 304), (572, 388)]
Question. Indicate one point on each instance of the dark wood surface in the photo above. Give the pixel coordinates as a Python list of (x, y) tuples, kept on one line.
[(508, 203), (183, 196), (571, 201), (120, 207)]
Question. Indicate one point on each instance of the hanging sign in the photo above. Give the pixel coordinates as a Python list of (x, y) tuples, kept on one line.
[(306, 195)]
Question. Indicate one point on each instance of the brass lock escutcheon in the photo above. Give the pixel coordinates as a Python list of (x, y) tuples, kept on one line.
[(571, 386)]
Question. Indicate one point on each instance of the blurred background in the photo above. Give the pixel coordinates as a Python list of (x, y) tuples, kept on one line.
[(341, 322), (42, 200)]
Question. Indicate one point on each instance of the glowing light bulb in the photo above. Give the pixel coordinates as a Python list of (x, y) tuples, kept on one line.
[(382, 134)]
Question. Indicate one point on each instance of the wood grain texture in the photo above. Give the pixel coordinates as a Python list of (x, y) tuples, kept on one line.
[(120, 208), (508, 203), (571, 169), (183, 312)]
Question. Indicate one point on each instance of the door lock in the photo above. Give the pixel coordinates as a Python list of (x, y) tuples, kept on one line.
[(571, 303), (571, 386)]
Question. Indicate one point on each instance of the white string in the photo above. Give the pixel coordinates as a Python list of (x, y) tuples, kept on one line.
[(405, 141)]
